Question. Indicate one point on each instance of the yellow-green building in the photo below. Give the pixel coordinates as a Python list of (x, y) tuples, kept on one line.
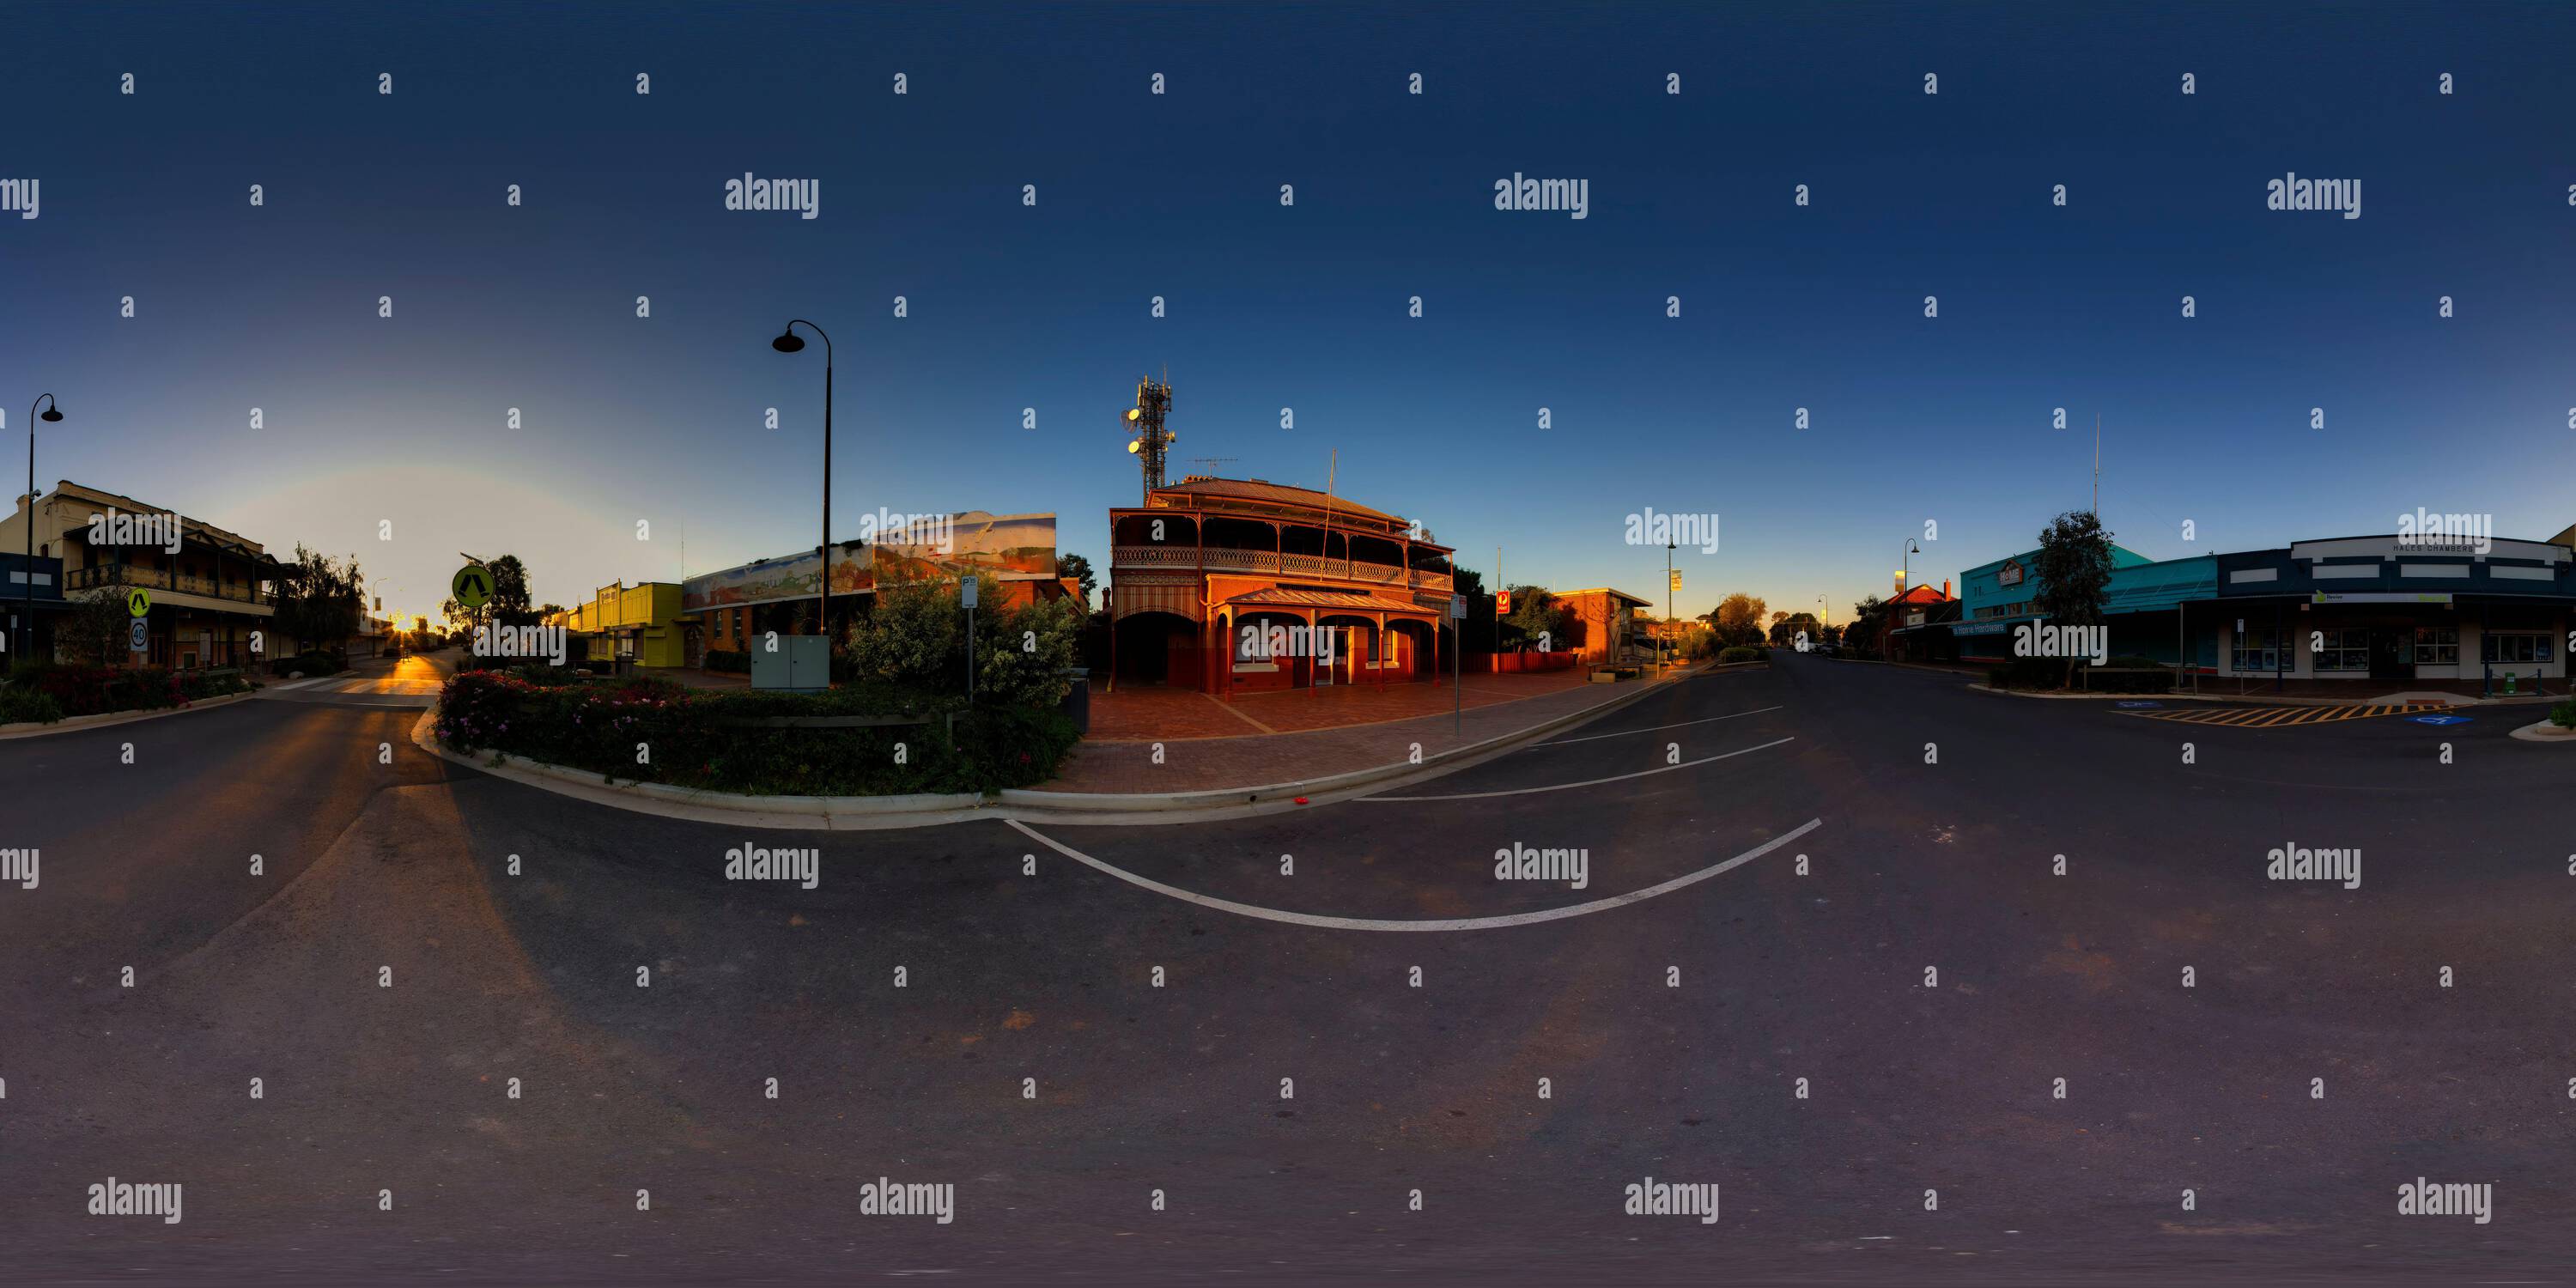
[(640, 625)]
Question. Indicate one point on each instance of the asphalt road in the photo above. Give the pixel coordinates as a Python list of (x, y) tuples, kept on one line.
[(1672, 1030)]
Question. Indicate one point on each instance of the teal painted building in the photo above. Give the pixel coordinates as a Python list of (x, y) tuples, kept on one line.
[(2149, 606)]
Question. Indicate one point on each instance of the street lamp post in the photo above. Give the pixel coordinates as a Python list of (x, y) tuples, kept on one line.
[(53, 415), (1905, 580), (1667, 641), (789, 342)]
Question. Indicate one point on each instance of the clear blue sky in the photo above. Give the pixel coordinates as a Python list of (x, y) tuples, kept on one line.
[(660, 420)]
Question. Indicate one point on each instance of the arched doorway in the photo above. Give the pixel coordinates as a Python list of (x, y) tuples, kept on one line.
[(1156, 647)]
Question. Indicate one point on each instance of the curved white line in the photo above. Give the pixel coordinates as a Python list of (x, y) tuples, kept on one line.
[(1596, 737), (1456, 923), (1589, 782)]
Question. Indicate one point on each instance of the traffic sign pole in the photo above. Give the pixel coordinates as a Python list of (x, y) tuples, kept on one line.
[(1458, 668)]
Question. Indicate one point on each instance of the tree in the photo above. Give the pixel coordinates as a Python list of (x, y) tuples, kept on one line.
[(2074, 572), (95, 630), (1077, 567), (1868, 619), (1536, 618), (1785, 627), (1476, 633), (319, 599), (1738, 619), (510, 603)]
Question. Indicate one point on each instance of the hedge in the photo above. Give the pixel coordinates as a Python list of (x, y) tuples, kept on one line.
[(81, 689), (2050, 673), (687, 742), (729, 661), (1740, 653), (308, 663)]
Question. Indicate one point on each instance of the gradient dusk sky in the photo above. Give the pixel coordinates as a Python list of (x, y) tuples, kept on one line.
[(2206, 419)]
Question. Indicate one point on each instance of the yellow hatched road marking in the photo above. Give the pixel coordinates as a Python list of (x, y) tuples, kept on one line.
[(2284, 717)]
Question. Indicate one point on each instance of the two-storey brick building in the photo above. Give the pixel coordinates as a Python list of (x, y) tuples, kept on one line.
[(1211, 577)]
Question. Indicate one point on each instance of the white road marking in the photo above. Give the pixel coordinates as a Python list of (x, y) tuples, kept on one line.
[(1589, 782), (1626, 732), (1456, 923)]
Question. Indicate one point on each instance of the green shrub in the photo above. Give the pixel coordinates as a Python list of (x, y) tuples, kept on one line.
[(916, 638), (20, 705), (2028, 673), (2564, 714), (694, 738), (311, 664), (1739, 653), (728, 661), (80, 689)]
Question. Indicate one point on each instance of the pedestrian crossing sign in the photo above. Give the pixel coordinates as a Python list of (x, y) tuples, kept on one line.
[(472, 586)]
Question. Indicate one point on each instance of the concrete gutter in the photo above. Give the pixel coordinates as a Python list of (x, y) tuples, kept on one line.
[(33, 729), (869, 813)]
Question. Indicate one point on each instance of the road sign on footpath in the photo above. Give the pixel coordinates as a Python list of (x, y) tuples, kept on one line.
[(142, 640), (138, 601), (472, 586)]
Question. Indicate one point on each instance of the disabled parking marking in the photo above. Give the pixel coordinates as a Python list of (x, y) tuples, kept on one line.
[(1446, 923)]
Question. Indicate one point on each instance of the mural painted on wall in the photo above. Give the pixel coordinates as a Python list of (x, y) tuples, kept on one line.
[(916, 548)]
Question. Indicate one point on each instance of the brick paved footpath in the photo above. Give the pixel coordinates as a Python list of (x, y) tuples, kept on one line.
[(1193, 761)]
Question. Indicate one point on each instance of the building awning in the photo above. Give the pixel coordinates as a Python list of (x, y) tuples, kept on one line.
[(1336, 600), (1127, 598)]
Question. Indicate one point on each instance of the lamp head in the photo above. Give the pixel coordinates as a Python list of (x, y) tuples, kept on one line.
[(52, 414), (788, 342)]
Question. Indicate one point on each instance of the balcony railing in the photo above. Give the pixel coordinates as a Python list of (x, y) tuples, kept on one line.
[(1276, 563), (97, 576)]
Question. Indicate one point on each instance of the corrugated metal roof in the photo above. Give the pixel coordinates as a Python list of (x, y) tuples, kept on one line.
[(1278, 493), (1279, 597)]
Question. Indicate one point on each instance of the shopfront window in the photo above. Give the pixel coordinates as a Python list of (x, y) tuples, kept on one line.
[(2516, 646), (2257, 650), (2437, 646), (2343, 649)]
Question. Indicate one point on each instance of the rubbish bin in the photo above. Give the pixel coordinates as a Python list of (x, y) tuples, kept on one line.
[(1077, 699)]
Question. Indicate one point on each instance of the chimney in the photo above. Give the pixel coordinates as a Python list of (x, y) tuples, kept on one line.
[(1945, 588)]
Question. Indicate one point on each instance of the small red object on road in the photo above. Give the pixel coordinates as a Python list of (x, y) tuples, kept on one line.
[(1301, 800)]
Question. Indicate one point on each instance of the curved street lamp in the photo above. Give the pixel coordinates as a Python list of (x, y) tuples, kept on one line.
[(789, 342), (53, 415)]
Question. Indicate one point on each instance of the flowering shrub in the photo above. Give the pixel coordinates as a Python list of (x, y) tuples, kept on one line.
[(688, 742)]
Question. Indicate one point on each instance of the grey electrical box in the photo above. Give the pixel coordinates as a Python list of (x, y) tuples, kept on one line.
[(800, 664)]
